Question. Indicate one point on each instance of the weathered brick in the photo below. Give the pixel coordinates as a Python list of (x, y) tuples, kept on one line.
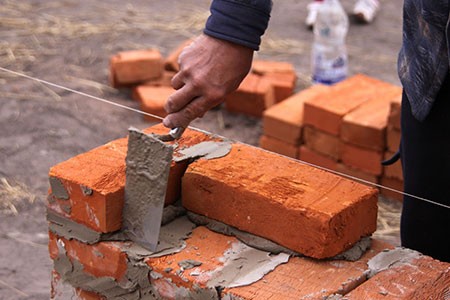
[(392, 183), (264, 67), (152, 100), (89, 188), (421, 278), (278, 146), (366, 125), (253, 96), (322, 142), (315, 158), (133, 67), (300, 207), (171, 61), (326, 111), (363, 159), (284, 120), (303, 278)]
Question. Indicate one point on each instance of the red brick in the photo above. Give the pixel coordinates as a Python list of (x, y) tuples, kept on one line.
[(204, 246), (264, 67), (133, 67), (284, 120), (102, 170), (164, 80), (104, 259), (152, 100), (303, 278), (315, 158), (302, 208), (341, 168), (392, 183), (422, 278), (363, 159), (322, 142), (394, 114), (278, 146), (283, 85), (253, 96), (366, 125), (326, 111), (171, 62), (394, 170), (393, 137)]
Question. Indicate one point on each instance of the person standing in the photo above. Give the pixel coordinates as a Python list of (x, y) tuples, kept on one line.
[(364, 11), (218, 60)]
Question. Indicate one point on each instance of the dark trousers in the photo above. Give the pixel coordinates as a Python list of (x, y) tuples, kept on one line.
[(425, 155)]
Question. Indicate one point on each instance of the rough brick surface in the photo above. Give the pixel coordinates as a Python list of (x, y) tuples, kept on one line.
[(133, 67), (152, 100), (93, 183), (278, 146), (284, 120), (303, 278), (253, 96), (322, 142), (283, 85), (366, 125), (265, 67), (362, 159), (326, 112), (300, 207), (423, 278), (315, 158)]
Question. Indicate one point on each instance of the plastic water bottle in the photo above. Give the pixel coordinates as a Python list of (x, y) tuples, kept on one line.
[(329, 53)]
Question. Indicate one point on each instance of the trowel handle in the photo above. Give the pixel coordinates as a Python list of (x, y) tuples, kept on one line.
[(176, 132)]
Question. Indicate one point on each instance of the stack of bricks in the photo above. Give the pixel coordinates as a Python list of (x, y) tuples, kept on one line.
[(149, 75), (298, 207), (393, 175), (268, 83), (341, 127)]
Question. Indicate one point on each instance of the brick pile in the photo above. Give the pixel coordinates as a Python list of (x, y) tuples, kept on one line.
[(149, 76), (342, 127), (304, 209)]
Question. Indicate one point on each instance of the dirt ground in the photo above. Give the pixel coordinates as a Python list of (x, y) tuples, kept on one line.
[(69, 42)]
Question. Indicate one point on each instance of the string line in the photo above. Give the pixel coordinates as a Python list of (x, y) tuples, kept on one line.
[(209, 133)]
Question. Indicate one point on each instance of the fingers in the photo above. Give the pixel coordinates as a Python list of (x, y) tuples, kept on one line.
[(177, 81), (196, 108), (180, 98)]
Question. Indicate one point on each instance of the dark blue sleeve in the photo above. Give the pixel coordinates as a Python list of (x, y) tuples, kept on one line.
[(239, 21)]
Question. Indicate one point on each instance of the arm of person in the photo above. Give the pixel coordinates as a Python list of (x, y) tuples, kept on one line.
[(218, 60)]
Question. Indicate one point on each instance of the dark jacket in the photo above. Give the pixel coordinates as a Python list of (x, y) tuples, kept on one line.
[(423, 62), (239, 21)]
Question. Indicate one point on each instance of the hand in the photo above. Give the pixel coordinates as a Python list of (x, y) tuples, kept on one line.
[(210, 68)]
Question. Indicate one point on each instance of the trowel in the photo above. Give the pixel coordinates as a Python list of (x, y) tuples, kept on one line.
[(147, 171)]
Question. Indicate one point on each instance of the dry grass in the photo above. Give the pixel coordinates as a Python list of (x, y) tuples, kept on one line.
[(12, 195)]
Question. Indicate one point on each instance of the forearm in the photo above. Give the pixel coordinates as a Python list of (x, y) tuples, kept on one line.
[(239, 21)]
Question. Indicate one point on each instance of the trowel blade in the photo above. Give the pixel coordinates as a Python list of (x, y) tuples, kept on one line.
[(147, 171)]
